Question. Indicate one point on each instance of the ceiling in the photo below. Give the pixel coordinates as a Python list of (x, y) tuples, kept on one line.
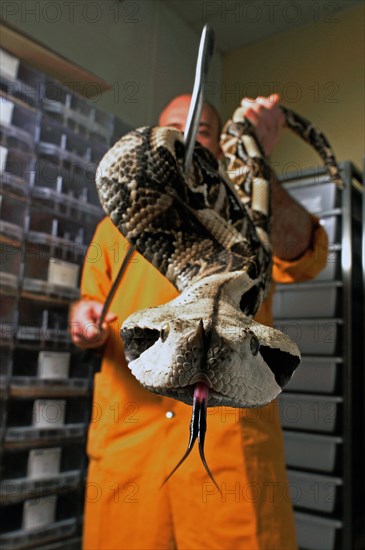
[(237, 23)]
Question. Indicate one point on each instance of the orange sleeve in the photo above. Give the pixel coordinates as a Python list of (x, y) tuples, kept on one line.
[(97, 274), (309, 264)]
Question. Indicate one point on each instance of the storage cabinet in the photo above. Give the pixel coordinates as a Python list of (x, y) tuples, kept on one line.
[(51, 143), (322, 408)]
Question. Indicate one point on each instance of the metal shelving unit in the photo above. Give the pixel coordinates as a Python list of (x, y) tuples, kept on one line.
[(322, 409), (51, 143)]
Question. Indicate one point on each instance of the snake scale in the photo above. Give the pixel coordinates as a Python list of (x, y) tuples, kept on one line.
[(210, 237)]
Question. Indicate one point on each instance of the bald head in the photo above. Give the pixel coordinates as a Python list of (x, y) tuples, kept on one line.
[(175, 115)]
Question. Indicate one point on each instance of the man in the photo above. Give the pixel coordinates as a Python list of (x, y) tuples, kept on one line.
[(136, 437)]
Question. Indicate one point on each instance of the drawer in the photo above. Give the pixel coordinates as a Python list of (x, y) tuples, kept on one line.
[(25, 465), (16, 169), (315, 196), (306, 300), (39, 521), (19, 117), (308, 412), (47, 414), (311, 451), (313, 337), (12, 213), (316, 533), (314, 492), (316, 374)]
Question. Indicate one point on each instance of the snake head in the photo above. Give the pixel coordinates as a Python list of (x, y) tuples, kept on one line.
[(171, 348)]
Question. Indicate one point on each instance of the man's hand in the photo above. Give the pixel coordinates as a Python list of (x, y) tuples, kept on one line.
[(267, 118), (84, 319)]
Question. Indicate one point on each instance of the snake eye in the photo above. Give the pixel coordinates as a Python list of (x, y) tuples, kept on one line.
[(164, 332), (254, 345)]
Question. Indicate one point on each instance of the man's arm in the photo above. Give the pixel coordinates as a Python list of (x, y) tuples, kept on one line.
[(85, 314), (292, 225)]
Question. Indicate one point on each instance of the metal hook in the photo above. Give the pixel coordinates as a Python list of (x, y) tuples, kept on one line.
[(196, 105)]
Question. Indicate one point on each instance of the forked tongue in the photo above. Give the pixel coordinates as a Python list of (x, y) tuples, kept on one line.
[(198, 427)]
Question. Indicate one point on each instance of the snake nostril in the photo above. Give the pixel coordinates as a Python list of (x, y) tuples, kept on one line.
[(254, 345)]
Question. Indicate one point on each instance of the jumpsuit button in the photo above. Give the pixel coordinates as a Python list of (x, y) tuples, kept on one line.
[(170, 414)]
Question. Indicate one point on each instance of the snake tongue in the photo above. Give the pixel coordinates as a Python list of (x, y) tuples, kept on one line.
[(201, 392), (198, 428)]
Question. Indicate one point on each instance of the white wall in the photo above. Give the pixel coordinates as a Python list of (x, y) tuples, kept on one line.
[(319, 70)]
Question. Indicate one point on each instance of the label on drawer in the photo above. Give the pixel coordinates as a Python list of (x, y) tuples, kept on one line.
[(53, 364), (44, 463), (63, 273), (6, 111), (9, 64), (49, 413), (39, 512), (3, 156)]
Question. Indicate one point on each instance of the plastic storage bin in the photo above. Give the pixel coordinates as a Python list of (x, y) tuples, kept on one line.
[(15, 138), (316, 375), (309, 412), (37, 323), (313, 337), (314, 491), (50, 364), (316, 532), (16, 169), (36, 422), (34, 522), (39, 463), (311, 451), (69, 189), (57, 141), (20, 80), (315, 198), (12, 217), (306, 300), (48, 229), (46, 275), (18, 117), (10, 261)]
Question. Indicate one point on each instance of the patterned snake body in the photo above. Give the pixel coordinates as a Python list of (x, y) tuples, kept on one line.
[(211, 238)]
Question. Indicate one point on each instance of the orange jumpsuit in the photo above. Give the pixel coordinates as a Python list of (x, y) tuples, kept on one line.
[(136, 437)]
